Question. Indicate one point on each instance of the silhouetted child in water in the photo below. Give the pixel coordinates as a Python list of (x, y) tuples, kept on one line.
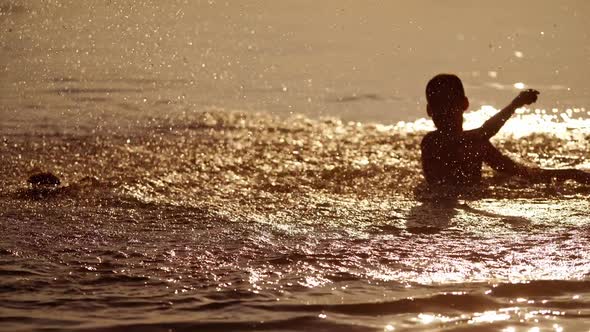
[(451, 155)]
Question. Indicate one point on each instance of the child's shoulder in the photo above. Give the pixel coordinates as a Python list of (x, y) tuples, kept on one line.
[(430, 139), (437, 139), (431, 135)]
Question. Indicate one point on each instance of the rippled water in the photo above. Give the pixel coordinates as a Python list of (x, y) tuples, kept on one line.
[(234, 221), (176, 213)]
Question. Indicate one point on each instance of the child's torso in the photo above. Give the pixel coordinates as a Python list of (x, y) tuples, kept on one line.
[(451, 159)]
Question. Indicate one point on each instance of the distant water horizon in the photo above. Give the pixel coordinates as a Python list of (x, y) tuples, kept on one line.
[(367, 62)]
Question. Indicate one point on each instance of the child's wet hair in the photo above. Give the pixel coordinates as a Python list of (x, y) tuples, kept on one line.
[(444, 90)]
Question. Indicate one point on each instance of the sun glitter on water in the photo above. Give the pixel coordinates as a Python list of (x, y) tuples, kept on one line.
[(519, 85), (570, 124)]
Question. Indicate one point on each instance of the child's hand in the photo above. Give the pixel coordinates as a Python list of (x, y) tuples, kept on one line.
[(526, 97)]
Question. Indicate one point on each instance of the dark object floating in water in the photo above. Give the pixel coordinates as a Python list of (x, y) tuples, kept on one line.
[(43, 185), (44, 179)]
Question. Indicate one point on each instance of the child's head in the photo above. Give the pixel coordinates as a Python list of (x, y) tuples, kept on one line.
[(446, 101)]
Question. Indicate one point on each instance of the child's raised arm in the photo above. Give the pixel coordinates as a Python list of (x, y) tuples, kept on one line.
[(493, 125)]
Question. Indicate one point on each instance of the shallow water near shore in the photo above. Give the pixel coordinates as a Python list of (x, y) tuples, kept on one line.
[(245, 166), (237, 221)]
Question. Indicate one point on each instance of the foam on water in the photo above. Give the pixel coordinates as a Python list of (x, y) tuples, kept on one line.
[(238, 221)]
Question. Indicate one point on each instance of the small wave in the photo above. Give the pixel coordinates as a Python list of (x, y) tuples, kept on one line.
[(436, 303), (357, 97), (541, 288), (221, 305), (28, 323), (18, 273), (77, 91), (116, 279), (300, 323)]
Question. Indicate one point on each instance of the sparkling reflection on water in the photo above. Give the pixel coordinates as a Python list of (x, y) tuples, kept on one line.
[(232, 221)]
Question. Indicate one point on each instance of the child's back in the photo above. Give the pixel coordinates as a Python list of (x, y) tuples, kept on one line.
[(451, 159)]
